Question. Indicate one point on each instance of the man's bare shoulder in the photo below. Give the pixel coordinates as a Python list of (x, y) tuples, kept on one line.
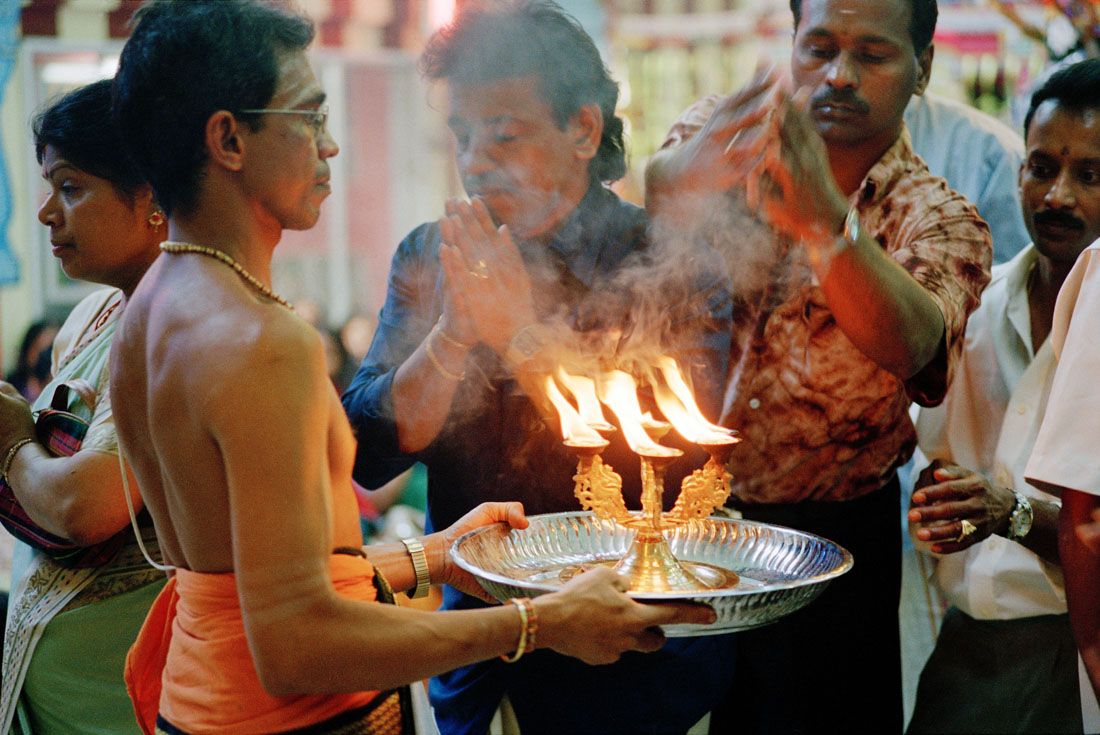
[(207, 331)]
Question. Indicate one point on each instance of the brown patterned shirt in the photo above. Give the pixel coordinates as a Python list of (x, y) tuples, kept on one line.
[(820, 420)]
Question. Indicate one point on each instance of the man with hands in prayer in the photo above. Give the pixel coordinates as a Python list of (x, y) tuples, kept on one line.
[(476, 306)]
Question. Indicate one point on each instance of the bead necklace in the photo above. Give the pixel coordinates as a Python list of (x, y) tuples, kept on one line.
[(186, 247)]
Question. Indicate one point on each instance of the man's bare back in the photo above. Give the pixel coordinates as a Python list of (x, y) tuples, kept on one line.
[(187, 364)]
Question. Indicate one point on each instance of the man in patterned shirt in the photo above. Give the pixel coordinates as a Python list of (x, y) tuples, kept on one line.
[(856, 305)]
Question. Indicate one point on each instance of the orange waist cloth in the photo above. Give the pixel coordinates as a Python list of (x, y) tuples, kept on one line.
[(191, 661)]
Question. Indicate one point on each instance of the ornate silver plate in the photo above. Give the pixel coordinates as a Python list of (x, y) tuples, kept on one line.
[(780, 569)]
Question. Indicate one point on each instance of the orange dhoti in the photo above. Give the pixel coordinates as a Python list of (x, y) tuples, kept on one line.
[(191, 662)]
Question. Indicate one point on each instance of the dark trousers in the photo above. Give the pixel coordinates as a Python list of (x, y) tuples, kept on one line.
[(835, 665), (1000, 676)]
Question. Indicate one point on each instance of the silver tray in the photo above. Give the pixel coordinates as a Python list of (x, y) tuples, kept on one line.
[(781, 569)]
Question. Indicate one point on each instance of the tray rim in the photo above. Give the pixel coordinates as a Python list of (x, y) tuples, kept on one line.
[(847, 561)]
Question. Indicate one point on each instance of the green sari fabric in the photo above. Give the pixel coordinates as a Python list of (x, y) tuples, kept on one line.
[(68, 630), (74, 682)]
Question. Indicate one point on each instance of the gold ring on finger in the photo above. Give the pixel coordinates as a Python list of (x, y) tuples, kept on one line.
[(480, 270), (965, 529)]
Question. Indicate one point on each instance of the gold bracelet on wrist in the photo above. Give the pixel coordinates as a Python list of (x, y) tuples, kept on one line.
[(529, 626), (420, 566), (457, 377), (448, 338), (5, 467)]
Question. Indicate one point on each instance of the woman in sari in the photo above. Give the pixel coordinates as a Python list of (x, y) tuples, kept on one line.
[(73, 615)]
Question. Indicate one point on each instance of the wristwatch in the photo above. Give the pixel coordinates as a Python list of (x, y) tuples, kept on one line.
[(524, 345), (851, 226), (1019, 523)]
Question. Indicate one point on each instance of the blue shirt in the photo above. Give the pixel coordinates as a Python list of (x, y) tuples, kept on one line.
[(980, 157), (495, 446)]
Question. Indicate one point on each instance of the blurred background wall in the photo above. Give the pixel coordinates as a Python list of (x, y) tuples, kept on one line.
[(395, 168)]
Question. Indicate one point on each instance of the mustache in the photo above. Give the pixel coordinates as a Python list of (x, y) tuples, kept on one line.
[(474, 183), (1058, 219), (840, 98)]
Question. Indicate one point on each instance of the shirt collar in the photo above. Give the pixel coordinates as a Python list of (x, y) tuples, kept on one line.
[(1015, 273), (578, 242), (891, 166)]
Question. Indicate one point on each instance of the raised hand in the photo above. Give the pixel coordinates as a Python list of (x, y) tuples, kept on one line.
[(729, 145), (947, 496), (789, 176), (489, 288)]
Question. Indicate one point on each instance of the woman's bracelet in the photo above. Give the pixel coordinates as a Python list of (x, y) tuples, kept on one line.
[(10, 456), (457, 377), (529, 626)]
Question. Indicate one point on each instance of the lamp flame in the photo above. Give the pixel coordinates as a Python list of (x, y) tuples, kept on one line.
[(677, 404), (573, 427), (618, 390), (584, 393)]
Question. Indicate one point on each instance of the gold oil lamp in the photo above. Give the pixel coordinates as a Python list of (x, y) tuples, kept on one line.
[(649, 563)]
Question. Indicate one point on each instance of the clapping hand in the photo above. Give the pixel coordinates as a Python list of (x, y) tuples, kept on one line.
[(786, 168)]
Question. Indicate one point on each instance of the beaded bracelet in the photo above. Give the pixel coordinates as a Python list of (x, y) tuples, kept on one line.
[(10, 456), (529, 626)]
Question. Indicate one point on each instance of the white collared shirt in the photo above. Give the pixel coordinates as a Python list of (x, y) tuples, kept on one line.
[(1066, 450), (988, 423)]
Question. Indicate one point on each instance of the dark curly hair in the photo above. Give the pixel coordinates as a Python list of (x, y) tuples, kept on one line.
[(522, 38), (184, 61), (922, 21)]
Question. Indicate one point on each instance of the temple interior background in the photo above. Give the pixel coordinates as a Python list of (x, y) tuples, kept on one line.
[(395, 168)]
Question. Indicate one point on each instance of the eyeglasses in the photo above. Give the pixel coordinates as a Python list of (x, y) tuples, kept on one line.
[(317, 118)]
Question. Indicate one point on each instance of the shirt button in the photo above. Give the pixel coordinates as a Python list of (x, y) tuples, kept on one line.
[(754, 403), (1022, 409)]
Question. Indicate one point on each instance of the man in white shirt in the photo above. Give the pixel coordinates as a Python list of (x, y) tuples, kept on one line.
[(1064, 459), (979, 156), (1005, 660)]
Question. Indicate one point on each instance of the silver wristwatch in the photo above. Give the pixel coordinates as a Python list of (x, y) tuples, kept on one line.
[(1019, 523), (525, 345), (850, 233)]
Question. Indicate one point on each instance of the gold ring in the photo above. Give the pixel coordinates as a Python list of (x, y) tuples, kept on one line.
[(481, 270), (967, 529)]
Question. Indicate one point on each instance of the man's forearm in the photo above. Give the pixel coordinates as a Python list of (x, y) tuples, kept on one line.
[(881, 308), (423, 390), (1082, 575)]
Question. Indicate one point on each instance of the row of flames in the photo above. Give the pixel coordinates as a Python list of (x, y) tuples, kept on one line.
[(581, 425), (598, 487)]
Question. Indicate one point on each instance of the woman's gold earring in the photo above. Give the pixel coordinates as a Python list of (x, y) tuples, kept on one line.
[(156, 219)]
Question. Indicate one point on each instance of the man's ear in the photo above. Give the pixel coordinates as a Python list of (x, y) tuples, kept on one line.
[(924, 68), (586, 127), (224, 146)]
